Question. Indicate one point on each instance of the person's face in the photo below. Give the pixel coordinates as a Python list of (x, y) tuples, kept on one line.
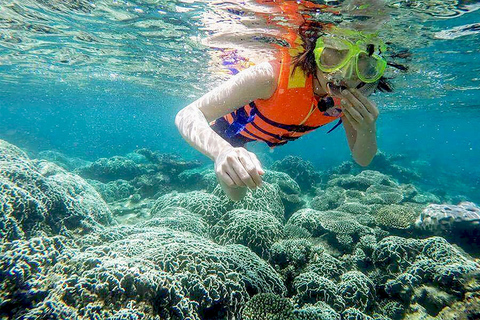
[(345, 78)]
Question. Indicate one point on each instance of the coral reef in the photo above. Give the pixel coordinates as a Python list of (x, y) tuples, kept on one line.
[(110, 169), (362, 249), (289, 191), (265, 198), (341, 229), (397, 216), (39, 197), (257, 230), (209, 206), (300, 170), (152, 272)]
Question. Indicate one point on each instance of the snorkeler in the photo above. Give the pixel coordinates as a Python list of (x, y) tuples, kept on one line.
[(328, 78)]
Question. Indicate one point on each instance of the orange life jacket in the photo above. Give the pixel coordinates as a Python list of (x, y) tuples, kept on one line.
[(288, 114)]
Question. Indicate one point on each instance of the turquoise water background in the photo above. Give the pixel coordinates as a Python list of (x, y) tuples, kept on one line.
[(47, 104)]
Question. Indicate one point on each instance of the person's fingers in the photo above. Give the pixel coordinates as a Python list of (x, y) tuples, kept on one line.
[(257, 163), (369, 105), (347, 106), (223, 176), (234, 176), (357, 104), (242, 173), (352, 121), (251, 169)]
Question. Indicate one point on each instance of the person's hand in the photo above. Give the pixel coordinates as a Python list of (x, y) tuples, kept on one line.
[(237, 167), (359, 110)]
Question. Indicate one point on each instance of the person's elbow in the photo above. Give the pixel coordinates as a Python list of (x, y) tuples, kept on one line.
[(179, 117), (182, 115), (364, 159), (363, 163)]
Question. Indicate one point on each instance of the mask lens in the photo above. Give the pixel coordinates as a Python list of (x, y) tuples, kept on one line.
[(331, 57), (369, 67)]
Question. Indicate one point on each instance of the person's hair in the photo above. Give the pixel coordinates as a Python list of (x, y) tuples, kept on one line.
[(309, 32)]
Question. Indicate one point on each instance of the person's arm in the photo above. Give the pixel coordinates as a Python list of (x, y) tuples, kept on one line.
[(235, 167), (359, 119)]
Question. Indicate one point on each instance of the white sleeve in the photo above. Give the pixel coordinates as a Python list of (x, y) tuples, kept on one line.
[(257, 82)]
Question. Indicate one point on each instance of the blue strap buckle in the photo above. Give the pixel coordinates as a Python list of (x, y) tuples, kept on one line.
[(240, 120)]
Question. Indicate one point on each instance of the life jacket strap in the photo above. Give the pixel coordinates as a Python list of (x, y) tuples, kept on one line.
[(335, 126), (240, 120)]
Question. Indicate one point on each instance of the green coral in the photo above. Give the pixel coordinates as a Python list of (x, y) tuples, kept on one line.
[(384, 194), (256, 230), (11, 153), (265, 198), (342, 227), (294, 252), (357, 290), (153, 272), (300, 170), (318, 311), (39, 197), (325, 265), (395, 254), (209, 206), (268, 306), (328, 199), (409, 264), (355, 208), (179, 219), (361, 181), (310, 288), (109, 169), (397, 217), (283, 180), (354, 314)]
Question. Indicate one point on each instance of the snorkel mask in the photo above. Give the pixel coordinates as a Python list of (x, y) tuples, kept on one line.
[(342, 47)]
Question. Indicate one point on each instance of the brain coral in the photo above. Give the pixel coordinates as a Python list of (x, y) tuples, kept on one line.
[(290, 252), (357, 290), (257, 230), (318, 311), (325, 265), (179, 219), (408, 264)]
